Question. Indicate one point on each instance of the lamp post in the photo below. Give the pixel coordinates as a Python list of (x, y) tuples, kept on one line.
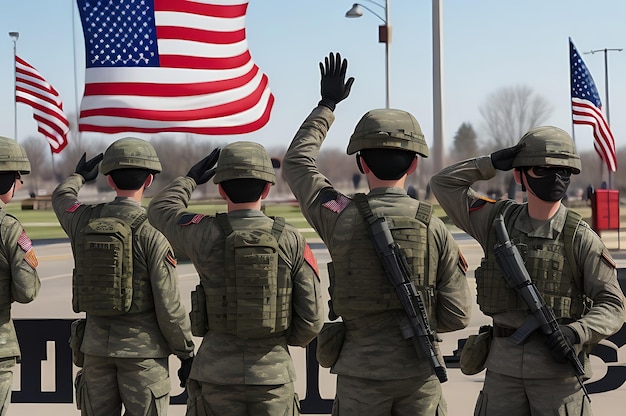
[(384, 33), (606, 91), (14, 37)]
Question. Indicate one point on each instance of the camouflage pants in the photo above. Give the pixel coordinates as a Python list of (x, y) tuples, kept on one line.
[(504, 395), (206, 399), (6, 380), (141, 385), (411, 396)]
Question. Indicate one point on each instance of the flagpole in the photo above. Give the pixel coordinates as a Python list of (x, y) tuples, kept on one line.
[(14, 37)]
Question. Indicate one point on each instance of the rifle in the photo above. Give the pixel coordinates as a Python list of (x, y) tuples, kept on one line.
[(416, 325), (543, 318)]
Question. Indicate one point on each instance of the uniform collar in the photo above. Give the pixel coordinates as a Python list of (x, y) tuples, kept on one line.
[(246, 213), (387, 191), (550, 229)]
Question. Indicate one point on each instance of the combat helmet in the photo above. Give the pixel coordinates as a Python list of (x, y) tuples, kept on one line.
[(388, 129), (244, 160), (548, 146), (13, 157), (130, 152)]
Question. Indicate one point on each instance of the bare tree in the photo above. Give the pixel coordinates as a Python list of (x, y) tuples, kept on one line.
[(38, 152), (510, 112)]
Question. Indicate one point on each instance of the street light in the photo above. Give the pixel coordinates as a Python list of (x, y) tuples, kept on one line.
[(384, 33), (14, 37)]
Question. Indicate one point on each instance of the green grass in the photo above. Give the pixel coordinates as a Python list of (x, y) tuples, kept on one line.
[(43, 224)]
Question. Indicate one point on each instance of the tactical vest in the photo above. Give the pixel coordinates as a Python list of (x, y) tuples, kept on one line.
[(5, 284), (106, 280), (359, 285), (248, 294), (550, 263)]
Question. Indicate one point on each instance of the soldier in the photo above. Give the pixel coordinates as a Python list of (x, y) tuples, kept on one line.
[(19, 280), (125, 280), (565, 259), (379, 371), (259, 286)]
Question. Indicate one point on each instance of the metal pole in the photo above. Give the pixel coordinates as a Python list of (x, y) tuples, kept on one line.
[(388, 30), (438, 139), (14, 37), (77, 100)]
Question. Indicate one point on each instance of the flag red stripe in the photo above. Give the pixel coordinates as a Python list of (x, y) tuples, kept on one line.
[(226, 130), (43, 85), (215, 10), (43, 97), (169, 90), (199, 35), (199, 62), (184, 115)]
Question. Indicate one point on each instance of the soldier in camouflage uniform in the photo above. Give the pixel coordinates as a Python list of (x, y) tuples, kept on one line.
[(379, 371), (19, 281), (565, 259), (252, 301), (125, 354)]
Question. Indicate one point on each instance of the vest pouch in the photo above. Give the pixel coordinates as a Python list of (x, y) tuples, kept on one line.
[(329, 343), (198, 314), (103, 279), (475, 351), (77, 333)]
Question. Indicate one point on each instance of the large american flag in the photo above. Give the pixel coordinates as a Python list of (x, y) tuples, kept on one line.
[(587, 108), (170, 66), (32, 89)]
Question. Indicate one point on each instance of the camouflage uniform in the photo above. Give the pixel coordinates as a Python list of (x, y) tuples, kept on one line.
[(19, 281), (126, 355), (232, 375), (378, 370), (525, 379)]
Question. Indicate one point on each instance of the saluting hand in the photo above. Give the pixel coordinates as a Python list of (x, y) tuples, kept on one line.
[(503, 159), (88, 169), (334, 87), (204, 170)]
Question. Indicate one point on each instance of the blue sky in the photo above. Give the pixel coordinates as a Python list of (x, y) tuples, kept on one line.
[(487, 45)]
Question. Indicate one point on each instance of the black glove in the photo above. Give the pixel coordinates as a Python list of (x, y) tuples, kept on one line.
[(88, 169), (561, 342), (334, 87), (204, 170), (184, 370), (503, 159)]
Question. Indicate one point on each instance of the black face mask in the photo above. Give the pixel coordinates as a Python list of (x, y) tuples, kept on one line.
[(551, 187)]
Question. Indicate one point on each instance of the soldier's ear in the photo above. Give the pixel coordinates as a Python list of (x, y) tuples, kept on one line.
[(148, 181), (266, 190), (413, 167)]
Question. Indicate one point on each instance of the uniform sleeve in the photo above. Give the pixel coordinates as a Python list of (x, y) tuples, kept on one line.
[(606, 315), (307, 307), (467, 209), (22, 261), (168, 213), (66, 205), (170, 312), (303, 175), (454, 298)]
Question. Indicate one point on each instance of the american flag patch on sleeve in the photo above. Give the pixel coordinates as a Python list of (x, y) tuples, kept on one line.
[(74, 207), (335, 201), (188, 219)]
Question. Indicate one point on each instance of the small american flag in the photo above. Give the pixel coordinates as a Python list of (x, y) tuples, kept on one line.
[(587, 108), (32, 89), (170, 66)]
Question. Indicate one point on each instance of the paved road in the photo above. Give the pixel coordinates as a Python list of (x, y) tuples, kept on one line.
[(55, 265)]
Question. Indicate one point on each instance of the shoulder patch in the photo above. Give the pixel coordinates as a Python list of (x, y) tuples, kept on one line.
[(74, 207), (170, 258), (25, 244), (480, 203), (463, 265), (189, 219), (309, 257), (606, 256), (335, 201)]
